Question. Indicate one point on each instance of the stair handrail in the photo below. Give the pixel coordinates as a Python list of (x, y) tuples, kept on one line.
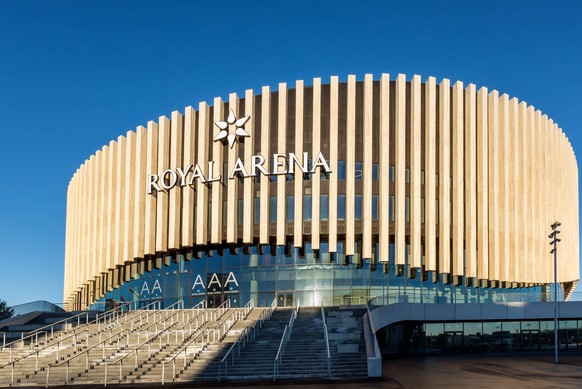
[(248, 308), (43, 330), (86, 353), (222, 328), (326, 338), (36, 352), (197, 308), (115, 310), (249, 334), (278, 358), (225, 328), (159, 334), (222, 308), (173, 359), (284, 339), (112, 313)]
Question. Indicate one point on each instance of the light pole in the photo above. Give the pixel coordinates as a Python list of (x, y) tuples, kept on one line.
[(554, 241)]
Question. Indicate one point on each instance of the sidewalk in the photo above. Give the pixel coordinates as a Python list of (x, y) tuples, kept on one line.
[(485, 371)]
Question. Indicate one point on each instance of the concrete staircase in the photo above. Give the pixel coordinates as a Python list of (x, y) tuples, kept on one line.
[(188, 345), (346, 343), (306, 353), (255, 361)]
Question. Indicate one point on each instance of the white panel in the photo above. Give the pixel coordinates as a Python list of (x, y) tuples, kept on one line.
[(232, 185), (400, 168), (458, 178), (430, 162), (415, 168), (265, 151), (249, 196), (316, 177), (470, 181), (444, 183), (367, 167), (333, 159), (350, 164), (482, 185), (188, 193), (298, 183), (384, 169), (217, 157), (175, 198)]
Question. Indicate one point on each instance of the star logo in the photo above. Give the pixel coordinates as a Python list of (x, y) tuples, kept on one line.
[(224, 134)]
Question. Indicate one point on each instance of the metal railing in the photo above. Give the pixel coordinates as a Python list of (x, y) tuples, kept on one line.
[(425, 296), (218, 332), (242, 339), (325, 337), (36, 353), (184, 350), (104, 318), (86, 354), (45, 330), (158, 334), (284, 339)]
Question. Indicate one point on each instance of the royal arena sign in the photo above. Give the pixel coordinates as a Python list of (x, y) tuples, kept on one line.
[(277, 164)]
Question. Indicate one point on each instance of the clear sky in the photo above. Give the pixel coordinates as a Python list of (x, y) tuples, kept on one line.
[(76, 74)]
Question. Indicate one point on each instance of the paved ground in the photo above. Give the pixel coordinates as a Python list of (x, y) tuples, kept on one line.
[(485, 371), (468, 371), (439, 372)]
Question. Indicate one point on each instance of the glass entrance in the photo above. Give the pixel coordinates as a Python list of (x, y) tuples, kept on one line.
[(453, 341), (285, 299), (530, 340)]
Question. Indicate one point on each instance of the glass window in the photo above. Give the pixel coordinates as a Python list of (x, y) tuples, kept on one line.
[(434, 333), (422, 209), (273, 210), (374, 172), (375, 207), (240, 211), (422, 177), (290, 208), (407, 175), (341, 170), (358, 207), (359, 171), (492, 336), (407, 209), (391, 173), (324, 207), (257, 210), (391, 208), (307, 207), (341, 207)]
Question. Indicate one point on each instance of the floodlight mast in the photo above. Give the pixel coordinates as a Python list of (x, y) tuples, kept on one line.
[(554, 241)]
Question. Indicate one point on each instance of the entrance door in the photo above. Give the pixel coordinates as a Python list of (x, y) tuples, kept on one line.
[(530, 340), (285, 299), (453, 341), (214, 300)]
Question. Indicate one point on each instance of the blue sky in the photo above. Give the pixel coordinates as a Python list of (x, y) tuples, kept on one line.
[(76, 74)]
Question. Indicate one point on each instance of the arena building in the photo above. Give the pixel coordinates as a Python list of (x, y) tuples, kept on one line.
[(328, 194)]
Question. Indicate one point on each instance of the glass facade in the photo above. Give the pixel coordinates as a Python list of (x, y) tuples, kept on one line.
[(481, 337), (292, 274)]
